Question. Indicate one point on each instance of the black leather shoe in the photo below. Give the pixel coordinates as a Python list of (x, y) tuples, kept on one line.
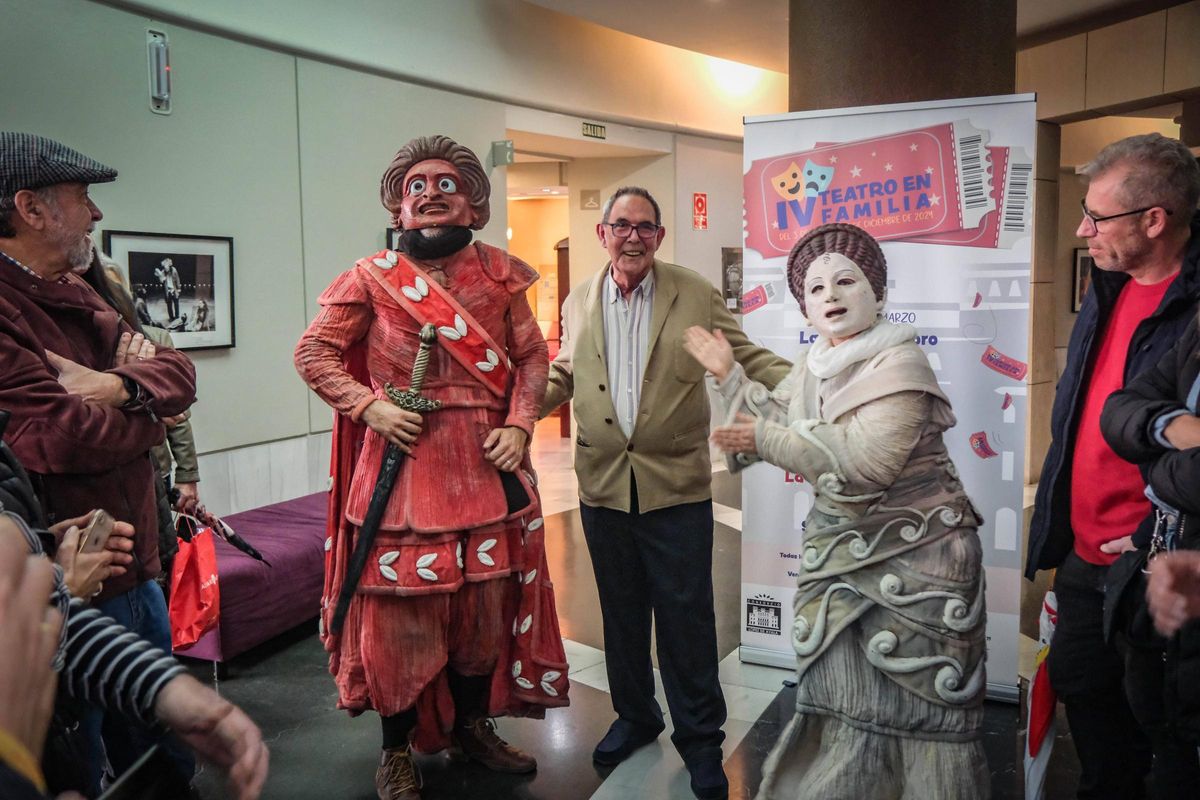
[(708, 779), (622, 739)]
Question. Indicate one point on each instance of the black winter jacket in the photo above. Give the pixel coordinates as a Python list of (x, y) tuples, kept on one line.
[(1132, 418), (17, 493), (1051, 536)]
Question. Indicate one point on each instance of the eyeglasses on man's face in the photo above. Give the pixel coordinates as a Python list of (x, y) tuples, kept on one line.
[(622, 228), (1095, 220)]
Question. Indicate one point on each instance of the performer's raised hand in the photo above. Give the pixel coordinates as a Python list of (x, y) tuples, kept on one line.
[(393, 423), (736, 438), (710, 349), (505, 447)]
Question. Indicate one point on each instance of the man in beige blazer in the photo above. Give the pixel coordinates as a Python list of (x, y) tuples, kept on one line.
[(642, 459)]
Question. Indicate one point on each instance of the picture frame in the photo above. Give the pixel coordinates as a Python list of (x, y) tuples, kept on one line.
[(180, 282), (731, 278), (1081, 278)]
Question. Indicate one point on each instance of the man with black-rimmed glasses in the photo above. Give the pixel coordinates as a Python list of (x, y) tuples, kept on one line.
[(1140, 227), (645, 480)]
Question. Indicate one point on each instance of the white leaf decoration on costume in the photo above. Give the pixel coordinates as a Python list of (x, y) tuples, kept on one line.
[(537, 523), (391, 256), (548, 689), (382, 263), (460, 325), (550, 676), (482, 553), (389, 557), (492, 358), (328, 544), (526, 623), (427, 559), (427, 574), (484, 366), (532, 574), (422, 286), (458, 555), (388, 572), (516, 670), (524, 683), (449, 333), (411, 293)]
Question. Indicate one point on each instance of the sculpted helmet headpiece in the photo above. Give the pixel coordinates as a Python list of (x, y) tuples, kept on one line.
[(424, 148), (838, 237)]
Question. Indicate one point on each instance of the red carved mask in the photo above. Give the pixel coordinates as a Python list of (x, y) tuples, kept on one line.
[(434, 197)]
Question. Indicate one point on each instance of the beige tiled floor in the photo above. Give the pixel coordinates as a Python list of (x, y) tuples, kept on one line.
[(655, 772)]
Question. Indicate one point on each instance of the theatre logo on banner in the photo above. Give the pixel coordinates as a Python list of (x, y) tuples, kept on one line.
[(946, 188)]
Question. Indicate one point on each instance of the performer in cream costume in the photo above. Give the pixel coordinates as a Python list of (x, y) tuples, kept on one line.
[(889, 611)]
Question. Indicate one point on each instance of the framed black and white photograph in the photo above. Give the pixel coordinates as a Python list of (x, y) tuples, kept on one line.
[(179, 282), (1081, 278), (393, 238), (731, 278)]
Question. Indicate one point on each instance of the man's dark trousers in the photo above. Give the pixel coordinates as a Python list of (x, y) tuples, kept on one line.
[(1095, 680), (660, 563)]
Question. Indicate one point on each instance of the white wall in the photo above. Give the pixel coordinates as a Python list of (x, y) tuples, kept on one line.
[(504, 49), (713, 167)]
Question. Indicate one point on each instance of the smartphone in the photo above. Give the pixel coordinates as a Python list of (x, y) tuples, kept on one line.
[(96, 534)]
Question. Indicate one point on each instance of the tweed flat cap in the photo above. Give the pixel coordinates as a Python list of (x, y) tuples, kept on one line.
[(31, 162)]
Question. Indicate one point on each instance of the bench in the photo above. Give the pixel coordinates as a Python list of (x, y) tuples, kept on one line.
[(259, 602)]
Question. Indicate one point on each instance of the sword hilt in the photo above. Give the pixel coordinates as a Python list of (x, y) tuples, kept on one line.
[(428, 337), (410, 399)]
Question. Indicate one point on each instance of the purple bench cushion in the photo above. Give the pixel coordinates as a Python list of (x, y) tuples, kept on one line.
[(257, 601)]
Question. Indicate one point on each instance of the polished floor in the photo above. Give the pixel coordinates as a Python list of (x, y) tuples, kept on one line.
[(320, 753)]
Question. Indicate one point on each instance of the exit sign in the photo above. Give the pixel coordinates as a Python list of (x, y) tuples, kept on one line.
[(594, 130)]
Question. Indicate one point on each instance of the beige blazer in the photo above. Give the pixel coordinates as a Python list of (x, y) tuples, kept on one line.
[(668, 449)]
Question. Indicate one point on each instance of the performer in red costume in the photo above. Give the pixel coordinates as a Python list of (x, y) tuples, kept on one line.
[(453, 619)]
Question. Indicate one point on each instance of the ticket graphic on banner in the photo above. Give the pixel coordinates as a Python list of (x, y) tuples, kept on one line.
[(1012, 217), (919, 182)]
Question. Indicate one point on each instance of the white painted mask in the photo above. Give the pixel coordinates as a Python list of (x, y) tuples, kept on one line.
[(839, 299)]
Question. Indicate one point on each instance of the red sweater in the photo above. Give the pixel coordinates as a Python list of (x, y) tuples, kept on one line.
[(1107, 500)]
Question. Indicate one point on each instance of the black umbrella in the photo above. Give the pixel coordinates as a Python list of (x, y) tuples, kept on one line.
[(189, 517)]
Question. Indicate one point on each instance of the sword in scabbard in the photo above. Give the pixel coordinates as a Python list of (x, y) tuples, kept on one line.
[(409, 399)]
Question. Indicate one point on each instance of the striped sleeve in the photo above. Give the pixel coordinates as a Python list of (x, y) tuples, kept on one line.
[(111, 666)]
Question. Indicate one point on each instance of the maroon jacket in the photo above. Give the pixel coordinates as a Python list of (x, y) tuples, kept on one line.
[(83, 455)]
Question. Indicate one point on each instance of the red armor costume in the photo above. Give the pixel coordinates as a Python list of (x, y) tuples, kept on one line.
[(456, 577)]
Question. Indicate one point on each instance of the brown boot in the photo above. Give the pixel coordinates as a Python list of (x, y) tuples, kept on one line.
[(397, 777), (477, 740)]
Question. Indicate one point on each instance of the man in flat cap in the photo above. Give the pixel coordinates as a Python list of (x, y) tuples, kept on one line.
[(86, 395)]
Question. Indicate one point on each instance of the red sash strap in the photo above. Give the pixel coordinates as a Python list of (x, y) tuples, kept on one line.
[(458, 332)]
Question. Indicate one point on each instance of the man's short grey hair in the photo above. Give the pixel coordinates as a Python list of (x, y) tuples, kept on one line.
[(8, 207), (1161, 172), (637, 191)]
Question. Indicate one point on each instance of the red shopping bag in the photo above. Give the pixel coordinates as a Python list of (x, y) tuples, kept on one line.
[(195, 593)]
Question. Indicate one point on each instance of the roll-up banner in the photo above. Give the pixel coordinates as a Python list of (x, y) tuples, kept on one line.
[(946, 187)]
